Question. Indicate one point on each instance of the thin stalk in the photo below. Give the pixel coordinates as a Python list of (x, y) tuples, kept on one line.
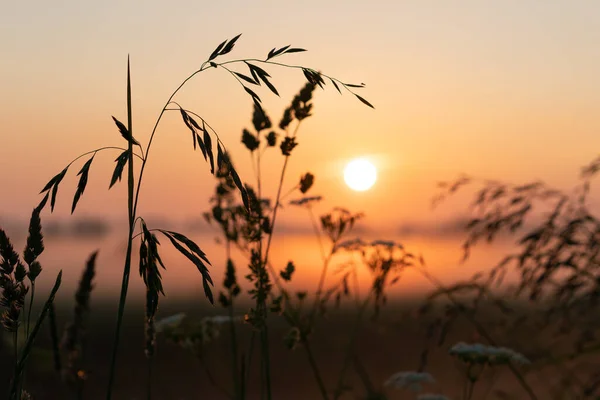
[(250, 352), (277, 202), (234, 345), (30, 307), (212, 379), (350, 352), (315, 368), (364, 376), (16, 349), (132, 203), (131, 217), (471, 390), (54, 338), (149, 379), (265, 361)]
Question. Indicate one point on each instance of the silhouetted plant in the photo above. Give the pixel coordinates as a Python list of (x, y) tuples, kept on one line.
[(206, 139), (14, 290)]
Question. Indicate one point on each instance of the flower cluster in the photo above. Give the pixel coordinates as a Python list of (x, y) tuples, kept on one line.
[(481, 354), (409, 379)]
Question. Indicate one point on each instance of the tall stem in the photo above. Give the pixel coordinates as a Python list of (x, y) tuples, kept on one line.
[(234, 346), (132, 203), (30, 307), (131, 218)]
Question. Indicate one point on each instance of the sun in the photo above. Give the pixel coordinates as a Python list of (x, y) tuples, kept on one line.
[(360, 174)]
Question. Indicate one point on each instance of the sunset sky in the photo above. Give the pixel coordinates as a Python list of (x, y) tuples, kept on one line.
[(498, 89)]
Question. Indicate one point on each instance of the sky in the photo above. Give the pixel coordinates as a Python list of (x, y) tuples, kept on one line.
[(496, 89)]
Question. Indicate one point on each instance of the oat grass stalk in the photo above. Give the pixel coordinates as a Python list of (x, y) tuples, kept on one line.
[(73, 341), (14, 393), (131, 219)]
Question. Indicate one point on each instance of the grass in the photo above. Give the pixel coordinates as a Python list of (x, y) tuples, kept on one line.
[(334, 327)]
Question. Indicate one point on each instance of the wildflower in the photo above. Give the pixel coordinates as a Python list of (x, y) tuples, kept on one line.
[(409, 379), (481, 354), (169, 322)]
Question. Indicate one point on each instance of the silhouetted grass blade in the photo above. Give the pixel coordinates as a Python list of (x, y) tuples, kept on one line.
[(294, 50), (215, 53), (269, 85), (20, 367), (208, 291), (191, 244), (209, 151), (125, 132), (258, 70), (196, 261), (82, 182), (35, 239), (242, 189), (118, 172), (191, 255), (246, 78), (274, 52), (362, 85), (42, 204), (229, 46), (54, 338), (251, 93), (220, 156), (55, 180), (187, 122), (336, 86), (364, 101)]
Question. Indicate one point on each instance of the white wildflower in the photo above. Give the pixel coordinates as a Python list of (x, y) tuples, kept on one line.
[(169, 322), (478, 353), (409, 379)]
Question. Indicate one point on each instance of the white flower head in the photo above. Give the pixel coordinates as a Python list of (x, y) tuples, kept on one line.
[(169, 322), (478, 353), (431, 396), (409, 379)]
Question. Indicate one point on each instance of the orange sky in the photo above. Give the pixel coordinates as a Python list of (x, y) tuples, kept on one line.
[(505, 90)]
